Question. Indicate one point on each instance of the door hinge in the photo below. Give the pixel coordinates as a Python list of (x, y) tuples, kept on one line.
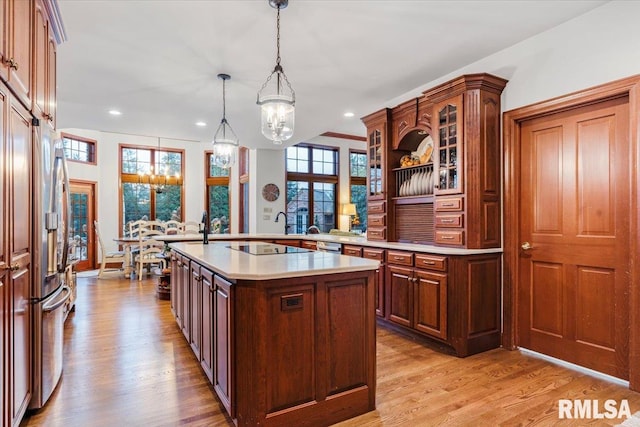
[(35, 122)]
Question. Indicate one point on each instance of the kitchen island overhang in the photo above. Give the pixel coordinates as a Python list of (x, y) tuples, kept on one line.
[(286, 338)]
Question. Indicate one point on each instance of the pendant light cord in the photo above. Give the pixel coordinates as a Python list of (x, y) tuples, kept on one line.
[(278, 38)]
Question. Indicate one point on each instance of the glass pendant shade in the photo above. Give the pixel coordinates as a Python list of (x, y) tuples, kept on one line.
[(225, 141), (276, 97)]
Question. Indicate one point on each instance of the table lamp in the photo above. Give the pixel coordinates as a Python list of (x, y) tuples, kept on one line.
[(350, 210)]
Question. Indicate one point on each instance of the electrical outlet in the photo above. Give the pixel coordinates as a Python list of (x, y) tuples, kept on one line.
[(266, 217)]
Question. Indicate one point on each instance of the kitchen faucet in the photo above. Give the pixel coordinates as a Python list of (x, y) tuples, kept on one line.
[(286, 226), (205, 222)]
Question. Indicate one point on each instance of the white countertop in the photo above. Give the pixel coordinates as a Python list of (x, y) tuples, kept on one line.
[(440, 250), (235, 264)]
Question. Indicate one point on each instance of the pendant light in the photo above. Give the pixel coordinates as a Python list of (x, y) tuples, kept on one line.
[(276, 97), (225, 141)]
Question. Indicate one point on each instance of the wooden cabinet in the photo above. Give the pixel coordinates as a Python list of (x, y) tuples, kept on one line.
[(195, 299), (185, 296), (44, 66), (208, 322), (378, 254), (223, 344), (430, 305), (467, 142), (400, 295), (16, 61), (352, 250), (16, 253), (377, 133), (462, 117), (175, 288)]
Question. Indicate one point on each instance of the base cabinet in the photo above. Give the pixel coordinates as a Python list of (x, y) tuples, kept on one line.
[(295, 351)]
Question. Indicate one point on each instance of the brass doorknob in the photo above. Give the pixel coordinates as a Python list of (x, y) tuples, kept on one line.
[(526, 246), (12, 267)]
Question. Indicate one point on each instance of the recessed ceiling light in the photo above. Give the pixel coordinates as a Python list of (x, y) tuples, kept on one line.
[(201, 124), (115, 113), (349, 114)]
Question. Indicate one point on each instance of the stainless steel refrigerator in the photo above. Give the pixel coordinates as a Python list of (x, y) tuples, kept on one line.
[(50, 293)]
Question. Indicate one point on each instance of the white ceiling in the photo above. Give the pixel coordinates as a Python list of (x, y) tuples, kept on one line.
[(157, 60)]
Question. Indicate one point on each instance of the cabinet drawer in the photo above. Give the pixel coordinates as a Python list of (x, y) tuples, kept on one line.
[(400, 258), (307, 244), (375, 207), (376, 233), (377, 254), (450, 237), (431, 262), (449, 221), (352, 250), (451, 204), (376, 220)]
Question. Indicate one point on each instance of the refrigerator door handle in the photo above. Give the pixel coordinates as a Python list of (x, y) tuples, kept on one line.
[(66, 208), (58, 300)]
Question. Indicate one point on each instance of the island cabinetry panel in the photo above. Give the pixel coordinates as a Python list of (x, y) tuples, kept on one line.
[(184, 281), (292, 351), (208, 322), (223, 330), (195, 320), (175, 288)]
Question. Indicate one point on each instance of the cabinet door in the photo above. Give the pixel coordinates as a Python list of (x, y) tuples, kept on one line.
[(185, 301), (51, 101), (4, 40), (223, 343), (19, 51), (399, 285), (375, 160), (380, 275), (40, 42), (4, 241), (196, 305), (449, 135), (430, 296), (206, 349), (19, 252), (174, 286)]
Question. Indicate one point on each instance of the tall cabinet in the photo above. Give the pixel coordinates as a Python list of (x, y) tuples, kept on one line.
[(452, 196), (27, 99)]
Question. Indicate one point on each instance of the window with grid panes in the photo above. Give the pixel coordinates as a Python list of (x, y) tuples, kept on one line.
[(358, 187), (218, 197), (79, 149)]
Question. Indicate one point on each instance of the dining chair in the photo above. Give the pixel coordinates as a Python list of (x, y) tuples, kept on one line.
[(156, 225), (108, 257), (136, 226), (150, 253), (191, 227), (172, 227)]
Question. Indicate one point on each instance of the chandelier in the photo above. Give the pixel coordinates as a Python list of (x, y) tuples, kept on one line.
[(158, 181), (225, 141), (276, 97)]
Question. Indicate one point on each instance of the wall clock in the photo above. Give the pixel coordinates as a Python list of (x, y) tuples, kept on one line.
[(270, 192)]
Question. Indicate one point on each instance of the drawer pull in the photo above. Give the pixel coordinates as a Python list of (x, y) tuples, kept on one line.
[(447, 205), (428, 262), (447, 221), (447, 237), (398, 258)]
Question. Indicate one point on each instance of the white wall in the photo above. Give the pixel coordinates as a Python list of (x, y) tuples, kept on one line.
[(595, 48)]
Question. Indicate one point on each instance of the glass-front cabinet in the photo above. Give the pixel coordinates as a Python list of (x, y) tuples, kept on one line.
[(449, 137), (375, 156)]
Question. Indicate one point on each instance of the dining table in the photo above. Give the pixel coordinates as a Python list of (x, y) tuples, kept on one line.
[(127, 243)]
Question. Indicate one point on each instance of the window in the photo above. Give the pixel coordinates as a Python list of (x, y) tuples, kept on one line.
[(358, 185), (217, 183), (312, 180), (151, 184), (79, 149)]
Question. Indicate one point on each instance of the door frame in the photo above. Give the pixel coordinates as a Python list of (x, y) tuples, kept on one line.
[(512, 121), (91, 236)]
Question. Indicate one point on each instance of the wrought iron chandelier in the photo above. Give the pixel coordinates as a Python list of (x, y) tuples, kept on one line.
[(225, 141), (276, 97)]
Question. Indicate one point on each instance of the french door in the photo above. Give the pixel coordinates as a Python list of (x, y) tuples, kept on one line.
[(82, 245)]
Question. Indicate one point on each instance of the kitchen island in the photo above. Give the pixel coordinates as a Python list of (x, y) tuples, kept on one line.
[(285, 335)]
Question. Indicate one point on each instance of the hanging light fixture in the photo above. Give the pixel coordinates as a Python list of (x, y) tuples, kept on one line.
[(225, 141), (276, 97)]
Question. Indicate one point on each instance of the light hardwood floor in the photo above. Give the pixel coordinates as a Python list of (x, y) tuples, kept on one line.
[(127, 364)]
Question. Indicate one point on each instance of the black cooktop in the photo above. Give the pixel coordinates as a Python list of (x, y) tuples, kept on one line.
[(266, 249)]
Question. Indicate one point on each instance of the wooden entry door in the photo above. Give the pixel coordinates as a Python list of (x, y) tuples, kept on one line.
[(83, 246), (574, 262)]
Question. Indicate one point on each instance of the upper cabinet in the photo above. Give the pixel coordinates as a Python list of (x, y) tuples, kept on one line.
[(16, 61), (44, 56), (439, 167)]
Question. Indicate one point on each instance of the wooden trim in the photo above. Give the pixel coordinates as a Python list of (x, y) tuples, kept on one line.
[(512, 121), (344, 136), (89, 141)]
